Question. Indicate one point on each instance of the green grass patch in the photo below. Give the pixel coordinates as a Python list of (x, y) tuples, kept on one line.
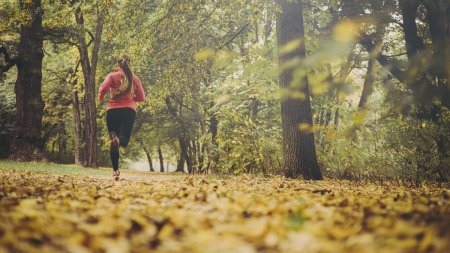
[(53, 168), (70, 169)]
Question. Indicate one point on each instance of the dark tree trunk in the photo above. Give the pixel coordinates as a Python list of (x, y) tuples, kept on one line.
[(328, 116), (414, 43), (438, 17), (336, 117), (26, 141), (161, 161), (149, 159), (254, 109), (184, 155), (298, 146), (180, 164), (89, 67), (427, 81)]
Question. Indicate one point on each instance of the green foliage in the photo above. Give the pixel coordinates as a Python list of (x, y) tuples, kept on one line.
[(387, 147)]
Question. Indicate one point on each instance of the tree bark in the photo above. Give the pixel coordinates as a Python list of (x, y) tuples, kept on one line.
[(161, 161), (26, 142), (184, 156), (298, 146), (89, 67), (438, 17), (77, 129), (149, 159), (414, 43), (369, 79)]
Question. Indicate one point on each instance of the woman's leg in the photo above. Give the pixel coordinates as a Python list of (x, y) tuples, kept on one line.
[(113, 124), (128, 116)]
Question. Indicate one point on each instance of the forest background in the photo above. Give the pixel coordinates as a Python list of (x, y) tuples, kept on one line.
[(377, 73)]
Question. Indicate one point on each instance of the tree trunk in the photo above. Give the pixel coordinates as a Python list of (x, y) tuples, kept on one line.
[(438, 17), (368, 83), (414, 43), (149, 159), (161, 161), (213, 125), (79, 151), (369, 80), (180, 164), (89, 68), (298, 146), (26, 142), (184, 156)]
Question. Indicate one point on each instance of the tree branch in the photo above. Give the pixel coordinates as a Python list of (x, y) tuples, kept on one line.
[(10, 62)]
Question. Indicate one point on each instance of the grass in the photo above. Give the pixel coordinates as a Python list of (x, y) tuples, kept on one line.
[(69, 169), (66, 169)]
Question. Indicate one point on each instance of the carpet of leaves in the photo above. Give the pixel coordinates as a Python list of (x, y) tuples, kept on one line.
[(56, 213)]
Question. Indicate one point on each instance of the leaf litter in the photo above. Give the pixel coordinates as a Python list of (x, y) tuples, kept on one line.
[(52, 213)]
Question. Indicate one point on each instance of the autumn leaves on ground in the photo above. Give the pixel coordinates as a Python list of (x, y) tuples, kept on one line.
[(47, 211)]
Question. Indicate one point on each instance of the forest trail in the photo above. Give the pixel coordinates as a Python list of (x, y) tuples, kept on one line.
[(48, 212), (147, 177)]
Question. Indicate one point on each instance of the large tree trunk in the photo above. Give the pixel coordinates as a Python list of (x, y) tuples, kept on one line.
[(26, 141), (414, 43), (438, 17), (89, 68), (298, 146)]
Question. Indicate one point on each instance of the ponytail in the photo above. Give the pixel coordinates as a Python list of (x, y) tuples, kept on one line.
[(124, 64)]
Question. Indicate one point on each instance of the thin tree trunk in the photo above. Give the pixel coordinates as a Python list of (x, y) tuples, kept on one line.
[(368, 83), (184, 155), (268, 26), (79, 156), (26, 142), (161, 161), (336, 117), (149, 159), (369, 80), (298, 146), (89, 68)]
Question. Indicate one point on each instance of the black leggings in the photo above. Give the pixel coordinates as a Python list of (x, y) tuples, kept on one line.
[(120, 121)]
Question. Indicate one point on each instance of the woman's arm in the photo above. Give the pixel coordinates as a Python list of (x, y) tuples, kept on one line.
[(140, 95), (104, 87)]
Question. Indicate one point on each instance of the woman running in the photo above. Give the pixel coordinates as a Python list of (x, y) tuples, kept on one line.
[(126, 89)]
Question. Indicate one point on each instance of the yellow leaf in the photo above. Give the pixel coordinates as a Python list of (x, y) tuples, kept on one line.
[(290, 46), (346, 31)]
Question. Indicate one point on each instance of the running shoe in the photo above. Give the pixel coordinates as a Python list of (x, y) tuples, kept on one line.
[(116, 175)]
